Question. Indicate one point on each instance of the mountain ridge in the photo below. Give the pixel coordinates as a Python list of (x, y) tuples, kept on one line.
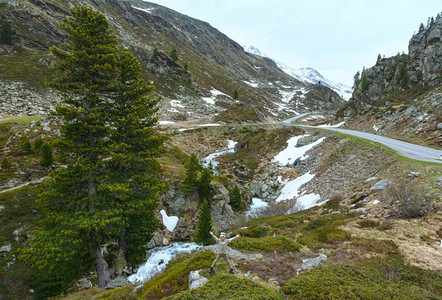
[(307, 74), (207, 60)]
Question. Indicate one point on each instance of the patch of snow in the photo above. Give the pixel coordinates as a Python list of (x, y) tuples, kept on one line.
[(158, 260), (169, 221), (176, 103), (148, 10), (291, 153), (184, 129), (166, 123), (376, 127), (215, 93), (291, 188), (307, 201), (315, 117), (253, 83), (256, 205), (208, 125), (209, 100), (336, 125), (375, 202)]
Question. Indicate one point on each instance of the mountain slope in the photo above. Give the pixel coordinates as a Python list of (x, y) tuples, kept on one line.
[(199, 84), (308, 75)]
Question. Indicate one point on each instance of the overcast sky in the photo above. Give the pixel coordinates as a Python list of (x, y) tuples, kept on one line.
[(336, 37)]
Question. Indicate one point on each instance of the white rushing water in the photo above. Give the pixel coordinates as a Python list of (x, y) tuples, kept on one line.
[(159, 259), (211, 157), (256, 205)]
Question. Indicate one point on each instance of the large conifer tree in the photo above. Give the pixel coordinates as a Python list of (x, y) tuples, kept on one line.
[(135, 172), (110, 191)]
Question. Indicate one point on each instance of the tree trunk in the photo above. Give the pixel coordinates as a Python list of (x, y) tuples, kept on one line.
[(101, 267)]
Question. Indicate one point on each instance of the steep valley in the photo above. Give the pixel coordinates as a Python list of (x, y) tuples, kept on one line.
[(322, 215)]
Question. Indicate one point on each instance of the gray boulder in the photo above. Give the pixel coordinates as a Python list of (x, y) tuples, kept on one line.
[(255, 189), (83, 283), (196, 280), (439, 126), (5, 249), (309, 263), (380, 186), (117, 282), (223, 216), (305, 141)]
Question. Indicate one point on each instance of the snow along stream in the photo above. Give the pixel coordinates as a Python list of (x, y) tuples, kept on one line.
[(158, 260), (211, 157)]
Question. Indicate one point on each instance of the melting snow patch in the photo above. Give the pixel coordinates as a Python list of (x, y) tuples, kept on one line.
[(209, 100), (176, 103), (184, 129), (169, 222), (291, 153), (208, 125), (375, 202), (159, 259), (215, 93), (336, 125), (253, 83), (306, 201), (148, 10), (166, 123), (291, 188)]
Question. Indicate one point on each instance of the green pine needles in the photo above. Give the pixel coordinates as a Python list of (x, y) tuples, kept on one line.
[(110, 192), (190, 183), (235, 198), (204, 227)]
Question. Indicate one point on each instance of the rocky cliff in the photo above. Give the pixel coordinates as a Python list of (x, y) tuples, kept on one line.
[(401, 95), (199, 83)]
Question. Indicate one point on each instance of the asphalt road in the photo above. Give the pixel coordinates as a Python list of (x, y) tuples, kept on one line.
[(409, 150)]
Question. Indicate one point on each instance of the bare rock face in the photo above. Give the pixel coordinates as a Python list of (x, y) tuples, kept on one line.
[(425, 53), (424, 64)]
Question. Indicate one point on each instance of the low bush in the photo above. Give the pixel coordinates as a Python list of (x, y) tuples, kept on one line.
[(386, 247), (368, 223), (228, 287), (380, 279), (175, 278), (411, 202), (268, 244), (324, 230)]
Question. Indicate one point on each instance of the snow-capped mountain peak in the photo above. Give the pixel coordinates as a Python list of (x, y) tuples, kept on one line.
[(307, 74)]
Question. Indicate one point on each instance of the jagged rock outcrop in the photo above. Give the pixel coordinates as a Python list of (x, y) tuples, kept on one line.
[(423, 66), (400, 96)]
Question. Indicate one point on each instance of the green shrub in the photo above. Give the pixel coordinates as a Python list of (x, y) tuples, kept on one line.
[(387, 247), (46, 155), (268, 244), (175, 278), (38, 142), (228, 287), (381, 279), (6, 163), (324, 230), (25, 144)]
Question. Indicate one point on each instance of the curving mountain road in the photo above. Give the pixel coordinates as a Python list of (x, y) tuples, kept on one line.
[(409, 150)]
